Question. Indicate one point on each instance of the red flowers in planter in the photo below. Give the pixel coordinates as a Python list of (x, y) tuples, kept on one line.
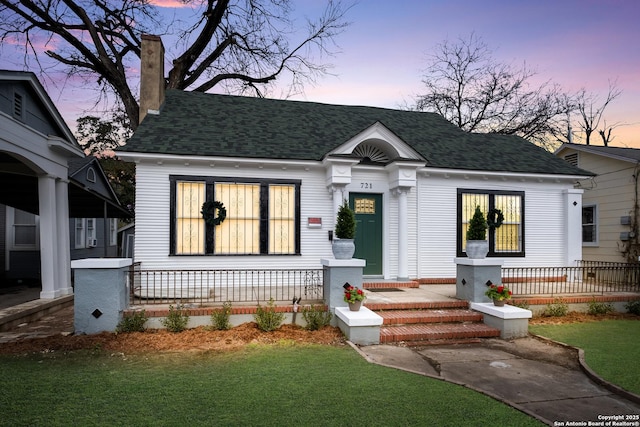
[(353, 294), (498, 292)]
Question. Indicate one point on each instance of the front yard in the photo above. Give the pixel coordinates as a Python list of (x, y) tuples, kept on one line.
[(282, 384)]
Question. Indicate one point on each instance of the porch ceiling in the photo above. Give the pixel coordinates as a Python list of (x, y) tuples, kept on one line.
[(21, 191)]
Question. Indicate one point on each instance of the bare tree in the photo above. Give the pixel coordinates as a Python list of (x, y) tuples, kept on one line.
[(591, 113), (99, 137), (239, 44), (468, 87)]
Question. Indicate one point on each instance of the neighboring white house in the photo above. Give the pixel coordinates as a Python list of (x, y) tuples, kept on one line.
[(281, 169), (610, 201)]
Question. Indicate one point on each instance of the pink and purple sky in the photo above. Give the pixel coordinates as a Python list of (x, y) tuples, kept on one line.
[(574, 43)]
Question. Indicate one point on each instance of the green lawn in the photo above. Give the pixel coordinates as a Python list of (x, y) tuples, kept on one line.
[(261, 385), (611, 347)]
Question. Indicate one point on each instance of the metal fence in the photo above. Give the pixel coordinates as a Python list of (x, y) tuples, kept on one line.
[(218, 286), (589, 277)]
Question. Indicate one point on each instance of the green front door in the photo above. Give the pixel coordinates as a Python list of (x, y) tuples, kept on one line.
[(368, 210)]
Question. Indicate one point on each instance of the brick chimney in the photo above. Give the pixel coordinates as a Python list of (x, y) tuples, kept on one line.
[(151, 75)]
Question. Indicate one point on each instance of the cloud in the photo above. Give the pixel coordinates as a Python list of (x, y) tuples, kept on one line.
[(168, 3)]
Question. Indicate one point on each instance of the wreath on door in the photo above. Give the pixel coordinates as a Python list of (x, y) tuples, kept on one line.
[(213, 212), (495, 218)]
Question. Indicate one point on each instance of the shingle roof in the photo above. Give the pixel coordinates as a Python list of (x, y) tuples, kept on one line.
[(201, 124)]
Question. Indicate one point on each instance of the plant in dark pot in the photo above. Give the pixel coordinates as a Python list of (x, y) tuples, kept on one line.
[(477, 243), (343, 246)]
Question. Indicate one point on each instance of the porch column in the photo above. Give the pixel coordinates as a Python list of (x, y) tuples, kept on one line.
[(403, 238), (63, 242), (48, 237), (337, 194)]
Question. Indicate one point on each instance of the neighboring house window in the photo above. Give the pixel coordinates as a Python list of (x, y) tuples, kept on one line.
[(91, 175), (85, 233), (80, 233), (25, 230), (91, 233), (507, 240), (263, 216), (113, 231), (589, 225)]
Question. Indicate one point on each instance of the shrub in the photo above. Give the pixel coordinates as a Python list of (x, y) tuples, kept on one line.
[(633, 307), (133, 323), (345, 222), (220, 317), (599, 307), (316, 318), (267, 318), (557, 309), (176, 320), (477, 226)]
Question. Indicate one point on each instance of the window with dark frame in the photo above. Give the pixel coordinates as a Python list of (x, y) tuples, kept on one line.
[(505, 241), (262, 216)]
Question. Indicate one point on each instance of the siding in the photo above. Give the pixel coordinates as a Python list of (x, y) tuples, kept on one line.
[(545, 242), (431, 216), (613, 193), (152, 219)]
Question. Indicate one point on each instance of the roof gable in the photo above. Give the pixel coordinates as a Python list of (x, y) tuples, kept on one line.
[(619, 153), (88, 173), (377, 140), (201, 124), (40, 113)]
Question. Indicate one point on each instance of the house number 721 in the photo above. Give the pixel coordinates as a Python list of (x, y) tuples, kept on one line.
[(366, 185)]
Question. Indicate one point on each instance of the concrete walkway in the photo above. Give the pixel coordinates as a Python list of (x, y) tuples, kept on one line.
[(545, 380)]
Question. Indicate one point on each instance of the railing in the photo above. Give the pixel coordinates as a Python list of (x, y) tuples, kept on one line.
[(217, 286), (589, 277)]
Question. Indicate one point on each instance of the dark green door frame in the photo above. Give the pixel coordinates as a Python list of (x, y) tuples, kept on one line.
[(368, 210)]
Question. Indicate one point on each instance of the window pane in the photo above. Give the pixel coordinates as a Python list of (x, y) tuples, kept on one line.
[(589, 224), (24, 227), (189, 221), (239, 233), (508, 236), (469, 203), (25, 235), (113, 231), (281, 219), (79, 233)]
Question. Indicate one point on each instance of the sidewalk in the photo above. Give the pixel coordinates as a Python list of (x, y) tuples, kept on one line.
[(542, 379)]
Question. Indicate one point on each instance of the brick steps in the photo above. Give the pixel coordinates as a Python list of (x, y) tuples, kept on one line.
[(429, 316), (437, 332), (443, 322)]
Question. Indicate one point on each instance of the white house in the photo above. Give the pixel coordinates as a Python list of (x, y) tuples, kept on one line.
[(281, 169)]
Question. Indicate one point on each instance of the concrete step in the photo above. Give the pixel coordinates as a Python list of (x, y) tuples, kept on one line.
[(404, 317), (418, 334)]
